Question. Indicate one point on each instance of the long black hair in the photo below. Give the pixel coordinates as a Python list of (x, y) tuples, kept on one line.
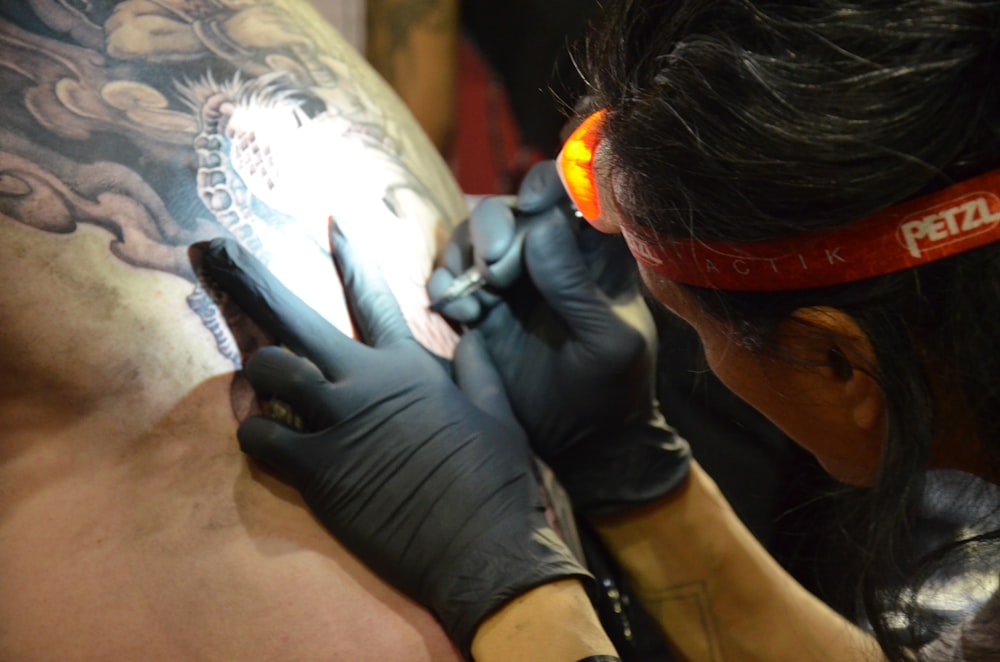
[(734, 120)]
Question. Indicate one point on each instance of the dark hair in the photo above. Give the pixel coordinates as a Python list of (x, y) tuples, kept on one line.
[(733, 120)]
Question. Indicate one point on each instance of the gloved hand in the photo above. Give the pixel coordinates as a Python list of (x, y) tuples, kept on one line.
[(434, 489), (575, 346)]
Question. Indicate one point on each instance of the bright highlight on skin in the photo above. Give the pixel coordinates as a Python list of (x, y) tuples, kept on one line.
[(576, 165)]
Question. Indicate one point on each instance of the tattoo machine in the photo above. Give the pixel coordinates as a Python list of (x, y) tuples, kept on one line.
[(505, 270)]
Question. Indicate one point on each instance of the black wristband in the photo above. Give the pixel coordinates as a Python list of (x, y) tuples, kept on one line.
[(601, 658)]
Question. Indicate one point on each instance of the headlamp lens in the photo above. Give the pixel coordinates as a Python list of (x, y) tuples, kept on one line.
[(576, 165)]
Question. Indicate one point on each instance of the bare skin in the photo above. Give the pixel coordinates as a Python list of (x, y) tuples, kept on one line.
[(131, 526), (716, 592)]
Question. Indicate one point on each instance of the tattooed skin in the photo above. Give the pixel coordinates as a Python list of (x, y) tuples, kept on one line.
[(131, 525), (275, 138)]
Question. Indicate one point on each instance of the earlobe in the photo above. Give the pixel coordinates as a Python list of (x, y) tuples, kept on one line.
[(850, 366)]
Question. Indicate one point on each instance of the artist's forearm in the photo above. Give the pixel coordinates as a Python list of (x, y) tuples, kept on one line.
[(716, 592), (552, 623)]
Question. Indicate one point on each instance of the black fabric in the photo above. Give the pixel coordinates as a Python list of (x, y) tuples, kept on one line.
[(955, 583), (975, 640)]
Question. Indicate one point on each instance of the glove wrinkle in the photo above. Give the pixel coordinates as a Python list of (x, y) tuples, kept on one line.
[(436, 495), (575, 347)]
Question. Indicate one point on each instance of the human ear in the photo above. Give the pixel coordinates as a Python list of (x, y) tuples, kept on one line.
[(832, 341)]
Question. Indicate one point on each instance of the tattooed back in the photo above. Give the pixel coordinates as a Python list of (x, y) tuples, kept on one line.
[(131, 527)]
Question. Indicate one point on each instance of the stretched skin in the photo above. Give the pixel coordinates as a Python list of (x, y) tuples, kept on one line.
[(131, 526)]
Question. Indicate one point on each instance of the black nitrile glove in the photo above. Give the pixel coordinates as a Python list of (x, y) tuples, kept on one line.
[(433, 488), (575, 345)]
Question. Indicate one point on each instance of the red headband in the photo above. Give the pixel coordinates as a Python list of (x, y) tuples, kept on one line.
[(936, 226), (933, 227)]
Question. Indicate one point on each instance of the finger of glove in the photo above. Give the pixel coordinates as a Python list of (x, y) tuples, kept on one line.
[(296, 381), (457, 254), (491, 228), (464, 310), (267, 301), (479, 380), (278, 448), (558, 271), (374, 309), (541, 188)]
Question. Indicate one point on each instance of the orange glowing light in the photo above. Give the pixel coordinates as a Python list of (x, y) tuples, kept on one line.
[(576, 165)]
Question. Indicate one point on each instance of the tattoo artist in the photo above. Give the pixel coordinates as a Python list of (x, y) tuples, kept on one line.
[(813, 187), (462, 528)]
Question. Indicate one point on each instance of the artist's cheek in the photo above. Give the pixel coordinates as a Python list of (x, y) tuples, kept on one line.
[(671, 296), (798, 402), (730, 363), (786, 395)]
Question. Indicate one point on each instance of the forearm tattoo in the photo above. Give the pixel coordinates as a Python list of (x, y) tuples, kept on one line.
[(691, 598)]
